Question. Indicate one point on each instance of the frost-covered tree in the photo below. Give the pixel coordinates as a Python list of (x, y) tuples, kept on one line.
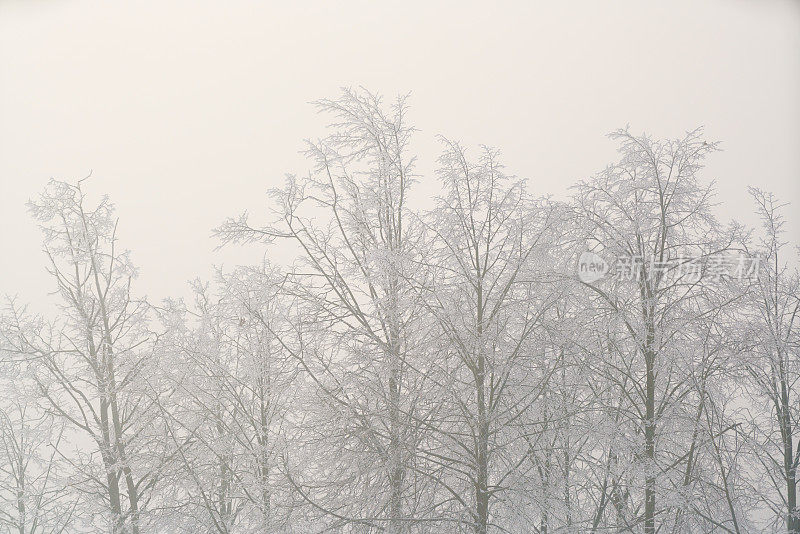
[(417, 372), (768, 331), (35, 496), (651, 213), (230, 417), (92, 368), (350, 221), (488, 241)]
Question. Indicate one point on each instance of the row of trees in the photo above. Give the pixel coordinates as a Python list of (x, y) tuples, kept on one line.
[(441, 371)]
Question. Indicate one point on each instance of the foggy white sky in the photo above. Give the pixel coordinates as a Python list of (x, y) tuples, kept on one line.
[(186, 112)]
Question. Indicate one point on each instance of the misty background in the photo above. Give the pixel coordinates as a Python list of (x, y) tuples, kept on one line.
[(187, 112)]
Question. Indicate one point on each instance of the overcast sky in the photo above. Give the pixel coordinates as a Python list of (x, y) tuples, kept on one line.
[(187, 112)]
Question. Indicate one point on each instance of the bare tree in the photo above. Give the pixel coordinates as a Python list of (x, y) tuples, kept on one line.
[(769, 328), (417, 372), (90, 372), (34, 494), (352, 281), (231, 415), (487, 239), (651, 212)]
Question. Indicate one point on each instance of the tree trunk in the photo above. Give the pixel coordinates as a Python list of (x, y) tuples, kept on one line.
[(395, 466), (112, 473), (650, 429), (482, 479), (482, 445), (264, 468), (790, 472), (21, 492)]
